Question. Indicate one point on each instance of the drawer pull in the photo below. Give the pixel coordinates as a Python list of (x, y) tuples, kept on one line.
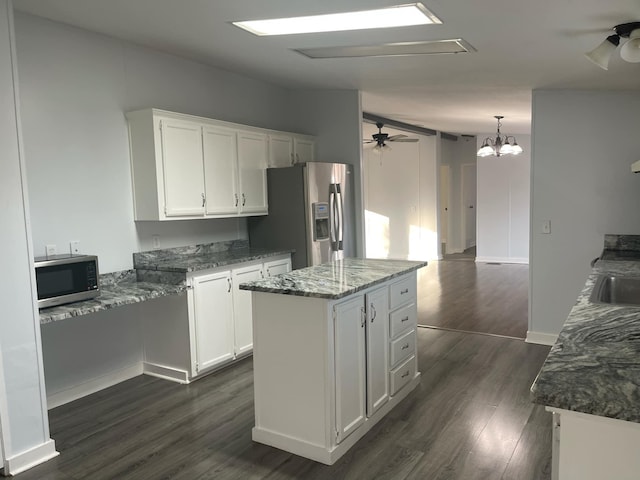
[(402, 292), (405, 319), (405, 374), (404, 347)]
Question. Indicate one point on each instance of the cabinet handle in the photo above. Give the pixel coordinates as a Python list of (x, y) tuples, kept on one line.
[(293, 160), (405, 374), (298, 157), (405, 346), (203, 199), (373, 313), (363, 317), (268, 272), (406, 290), (405, 319), (229, 282), (261, 274), (236, 195), (244, 200)]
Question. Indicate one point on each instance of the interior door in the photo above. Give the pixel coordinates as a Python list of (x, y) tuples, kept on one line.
[(444, 204), (183, 168), (469, 189)]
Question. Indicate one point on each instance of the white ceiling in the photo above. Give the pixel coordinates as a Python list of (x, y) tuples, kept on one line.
[(521, 45)]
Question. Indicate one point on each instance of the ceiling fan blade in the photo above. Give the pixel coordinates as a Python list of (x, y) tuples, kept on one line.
[(411, 140), (368, 141), (395, 137)]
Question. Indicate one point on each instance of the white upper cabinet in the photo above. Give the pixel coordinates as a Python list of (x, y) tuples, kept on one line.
[(280, 150), (186, 167), (220, 153), (304, 148), (252, 173), (182, 167)]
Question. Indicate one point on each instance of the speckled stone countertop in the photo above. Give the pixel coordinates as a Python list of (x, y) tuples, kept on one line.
[(334, 280), (116, 289), (201, 257), (594, 366)]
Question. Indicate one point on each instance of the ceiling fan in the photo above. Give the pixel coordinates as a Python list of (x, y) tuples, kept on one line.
[(379, 140)]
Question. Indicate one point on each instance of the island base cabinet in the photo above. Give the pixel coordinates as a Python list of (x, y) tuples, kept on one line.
[(313, 358), (590, 447)]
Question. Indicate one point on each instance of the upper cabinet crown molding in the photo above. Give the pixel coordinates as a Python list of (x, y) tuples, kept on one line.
[(188, 167)]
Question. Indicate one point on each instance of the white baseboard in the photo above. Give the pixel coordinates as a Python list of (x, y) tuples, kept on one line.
[(166, 373), (518, 260), (541, 338), (30, 458), (92, 386)]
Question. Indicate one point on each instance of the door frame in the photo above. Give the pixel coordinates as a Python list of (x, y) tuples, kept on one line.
[(464, 206)]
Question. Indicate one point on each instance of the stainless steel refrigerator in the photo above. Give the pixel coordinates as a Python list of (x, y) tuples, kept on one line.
[(310, 211)]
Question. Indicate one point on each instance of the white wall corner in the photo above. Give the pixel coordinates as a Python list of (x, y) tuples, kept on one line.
[(541, 338), (30, 458)]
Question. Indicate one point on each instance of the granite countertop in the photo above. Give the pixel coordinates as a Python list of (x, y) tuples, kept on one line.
[(116, 289), (334, 280), (594, 366), (192, 261)]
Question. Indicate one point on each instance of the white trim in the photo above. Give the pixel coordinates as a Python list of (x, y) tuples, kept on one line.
[(92, 386), (166, 373), (30, 458), (541, 338), (519, 260)]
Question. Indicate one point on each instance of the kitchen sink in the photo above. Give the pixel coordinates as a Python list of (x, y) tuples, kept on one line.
[(616, 290)]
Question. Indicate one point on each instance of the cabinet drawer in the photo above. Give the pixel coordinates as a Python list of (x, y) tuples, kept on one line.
[(402, 348), (403, 374), (401, 292), (402, 319)]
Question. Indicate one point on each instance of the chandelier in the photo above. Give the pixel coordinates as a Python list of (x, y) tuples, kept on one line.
[(502, 145), (630, 51)]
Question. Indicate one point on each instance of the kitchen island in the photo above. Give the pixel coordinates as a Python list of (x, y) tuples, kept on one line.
[(590, 380), (334, 352)]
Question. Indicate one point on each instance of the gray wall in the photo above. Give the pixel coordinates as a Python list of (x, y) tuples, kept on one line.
[(583, 145)]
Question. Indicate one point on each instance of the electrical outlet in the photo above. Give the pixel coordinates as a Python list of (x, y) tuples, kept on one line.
[(51, 250), (74, 247), (546, 226), (155, 242)]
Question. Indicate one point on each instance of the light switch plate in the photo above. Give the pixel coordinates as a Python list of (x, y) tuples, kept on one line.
[(50, 250), (546, 226), (155, 242)]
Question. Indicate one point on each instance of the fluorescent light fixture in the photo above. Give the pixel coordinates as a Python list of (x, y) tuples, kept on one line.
[(456, 45), (396, 16)]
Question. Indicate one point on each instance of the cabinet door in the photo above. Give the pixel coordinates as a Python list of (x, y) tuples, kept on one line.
[(377, 349), (212, 320), (242, 308), (276, 267), (280, 151), (350, 374), (304, 149), (182, 167), (220, 155), (252, 172)]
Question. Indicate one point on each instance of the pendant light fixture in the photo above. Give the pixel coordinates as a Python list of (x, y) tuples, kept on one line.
[(630, 50), (502, 145)]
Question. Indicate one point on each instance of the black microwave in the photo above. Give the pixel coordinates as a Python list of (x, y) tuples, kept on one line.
[(66, 278)]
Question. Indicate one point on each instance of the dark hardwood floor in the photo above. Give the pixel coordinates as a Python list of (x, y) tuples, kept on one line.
[(470, 418), (474, 297)]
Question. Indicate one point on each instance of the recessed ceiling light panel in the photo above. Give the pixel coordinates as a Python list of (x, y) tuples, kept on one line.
[(396, 16), (456, 45)]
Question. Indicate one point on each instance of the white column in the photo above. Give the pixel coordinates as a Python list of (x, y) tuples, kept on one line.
[(24, 427)]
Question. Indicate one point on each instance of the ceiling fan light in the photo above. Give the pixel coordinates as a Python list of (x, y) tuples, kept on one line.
[(630, 51), (602, 53), (506, 149), (516, 149), (485, 150)]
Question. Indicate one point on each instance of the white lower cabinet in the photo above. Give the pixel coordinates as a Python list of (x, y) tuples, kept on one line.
[(209, 327), (324, 383)]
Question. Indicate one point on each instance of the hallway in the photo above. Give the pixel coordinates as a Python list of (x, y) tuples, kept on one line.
[(474, 297)]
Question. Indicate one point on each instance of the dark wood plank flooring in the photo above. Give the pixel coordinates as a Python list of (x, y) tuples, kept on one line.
[(474, 297), (470, 418)]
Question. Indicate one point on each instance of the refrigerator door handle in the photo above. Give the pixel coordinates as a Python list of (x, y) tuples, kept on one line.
[(340, 208), (334, 217)]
